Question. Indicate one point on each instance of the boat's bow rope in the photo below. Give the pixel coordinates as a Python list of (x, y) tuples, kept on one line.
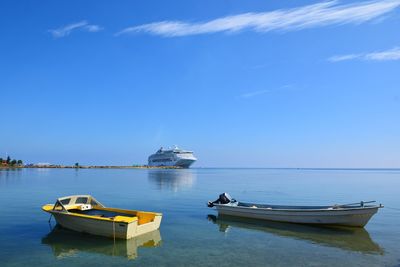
[(113, 220), (114, 229)]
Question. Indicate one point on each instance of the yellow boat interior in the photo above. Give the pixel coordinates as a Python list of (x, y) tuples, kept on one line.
[(87, 206)]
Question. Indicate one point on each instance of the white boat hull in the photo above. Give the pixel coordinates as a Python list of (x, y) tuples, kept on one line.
[(357, 217), (83, 213), (106, 228), (182, 163)]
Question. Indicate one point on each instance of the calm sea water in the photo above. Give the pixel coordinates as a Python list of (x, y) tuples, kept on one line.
[(191, 234)]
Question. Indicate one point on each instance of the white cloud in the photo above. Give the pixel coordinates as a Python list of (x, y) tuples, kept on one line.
[(391, 54), (93, 28), (67, 29), (342, 57), (316, 15)]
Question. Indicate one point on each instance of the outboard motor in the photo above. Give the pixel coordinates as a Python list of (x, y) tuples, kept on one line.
[(224, 198)]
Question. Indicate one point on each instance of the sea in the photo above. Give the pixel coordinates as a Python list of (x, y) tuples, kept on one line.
[(191, 234)]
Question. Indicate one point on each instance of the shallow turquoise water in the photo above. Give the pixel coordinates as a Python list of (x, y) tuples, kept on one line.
[(191, 234)]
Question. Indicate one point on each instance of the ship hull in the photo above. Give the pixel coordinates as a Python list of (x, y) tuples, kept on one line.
[(182, 163)]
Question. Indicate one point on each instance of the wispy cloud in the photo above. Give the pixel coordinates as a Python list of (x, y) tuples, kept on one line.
[(254, 93), (391, 54), (342, 57), (67, 29), (315, 15), (265, 91)]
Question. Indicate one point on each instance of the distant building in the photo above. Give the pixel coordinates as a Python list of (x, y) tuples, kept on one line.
[(43, 164)]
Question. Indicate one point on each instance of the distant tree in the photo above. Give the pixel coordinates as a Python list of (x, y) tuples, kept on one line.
[(13, 162), (8, 159), (1, 160), (19, 162), (77, 165)]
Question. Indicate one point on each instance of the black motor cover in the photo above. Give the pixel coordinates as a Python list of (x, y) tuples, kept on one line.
[(223, 198)]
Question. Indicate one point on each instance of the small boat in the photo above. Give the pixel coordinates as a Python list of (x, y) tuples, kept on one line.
[(83, 213), (354, 214)]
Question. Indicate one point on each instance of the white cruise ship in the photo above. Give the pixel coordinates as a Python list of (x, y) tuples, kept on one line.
[(172, 157)]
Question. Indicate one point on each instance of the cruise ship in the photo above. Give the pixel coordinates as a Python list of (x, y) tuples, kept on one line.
[(172, 157)]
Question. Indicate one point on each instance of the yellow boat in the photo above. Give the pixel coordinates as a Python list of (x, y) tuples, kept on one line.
[(83, 213)]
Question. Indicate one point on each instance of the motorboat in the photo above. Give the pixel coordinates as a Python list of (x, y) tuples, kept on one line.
[(353, 214), (83, 213)]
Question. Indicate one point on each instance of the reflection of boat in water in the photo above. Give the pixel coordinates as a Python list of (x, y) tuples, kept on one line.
[(353, 239), (172, 179), (67, 243)]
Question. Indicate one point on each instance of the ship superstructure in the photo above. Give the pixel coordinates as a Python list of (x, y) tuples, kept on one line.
[(172, 157)]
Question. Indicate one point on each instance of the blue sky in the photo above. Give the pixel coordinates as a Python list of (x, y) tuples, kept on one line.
[(242, 83)]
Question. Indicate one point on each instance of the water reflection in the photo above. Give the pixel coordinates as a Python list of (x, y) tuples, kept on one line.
[(66, 243), (9, 175), (353, 239), (172, 179)]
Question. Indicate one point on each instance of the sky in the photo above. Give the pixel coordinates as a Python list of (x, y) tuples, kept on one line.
[(241, 83)]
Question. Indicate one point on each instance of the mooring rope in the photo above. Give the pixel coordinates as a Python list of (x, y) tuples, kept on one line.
[(114, 230), (397, 209), (113, 235)]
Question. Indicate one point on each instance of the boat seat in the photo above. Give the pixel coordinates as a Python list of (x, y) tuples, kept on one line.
[(145, 217), (124, 219)]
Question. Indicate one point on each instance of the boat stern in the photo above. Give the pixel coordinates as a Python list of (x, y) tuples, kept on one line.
[(148, 221)]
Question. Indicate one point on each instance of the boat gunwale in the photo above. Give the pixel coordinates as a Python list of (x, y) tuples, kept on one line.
[(93, 217), (126, 210), (327, 209)]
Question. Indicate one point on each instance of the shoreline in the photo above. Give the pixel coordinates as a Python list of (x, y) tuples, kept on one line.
[(88, 167), (174, 167)]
